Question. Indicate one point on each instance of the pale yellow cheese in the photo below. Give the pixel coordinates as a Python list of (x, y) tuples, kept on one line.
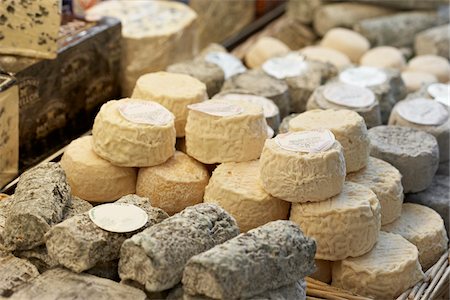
[(346, 41), (432, 64), (264, 49), (327, 55), (384, 57), (415, 80)]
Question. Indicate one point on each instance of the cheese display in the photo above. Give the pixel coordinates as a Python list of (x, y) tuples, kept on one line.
[(236, 188), (323, 270), (303, 10), (384, 57), (218, 131), (434, 41), (134, 133), (409, 150), (264, 49), (173, 91), (346, 41), (293, 33), (174, 185), (424, 228), (165, 29), (15, 273), (303, 166), (384, 273), (415, 80), (327, 55), (347, 126), (433, 64), (345, 225)]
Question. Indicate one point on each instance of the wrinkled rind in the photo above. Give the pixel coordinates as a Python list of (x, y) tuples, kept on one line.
[(15, 273)]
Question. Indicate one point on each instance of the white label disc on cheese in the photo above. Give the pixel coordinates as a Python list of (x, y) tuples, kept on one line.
[(269, 108), (270, 132), (363, 76), (118, 217), (145, 112), (422, 111), (230, 64), (218, 109), (349, 95), (291, 65), (306, 141), (440, 92)]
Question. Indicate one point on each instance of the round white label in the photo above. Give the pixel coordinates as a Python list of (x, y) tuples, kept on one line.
[(269, 108), (363, 76), (145, 112), (219, 109), (230, 64), (290, 65), (349, 95), (440, 92), (270, 132), (118, 217), (306, 141), (422, 111)]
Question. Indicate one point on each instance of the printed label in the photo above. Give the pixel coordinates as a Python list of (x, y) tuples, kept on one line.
[(269, 108), (440, 92), (118, 217), (219, 109), (422, 111), (349, 95), (363, 76), (230, 64), (291, 65), (312, 141), (145, 112)]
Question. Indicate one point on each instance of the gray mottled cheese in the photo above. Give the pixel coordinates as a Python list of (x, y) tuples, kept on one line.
[(384, 273), (433, 64), (15, 274), (303, 10), (384, 57), (345, 225), (327, 55), (263, 49), (415, 80), (346, 41), (5, 205), (435, 41)]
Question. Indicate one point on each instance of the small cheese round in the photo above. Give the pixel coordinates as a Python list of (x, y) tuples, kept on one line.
[(432, 64), (91, 177), (423, 227), (415, 80), (384, 273), (173, 91), (386, 182), (284, 125), (327, 55), (236, 188), (174, 185), (384, 57), (345, 225), (348, 127), (132, 144), (347, 41), (413, 152), (264, 49), (323, 270), (233, 138), (302, 176)]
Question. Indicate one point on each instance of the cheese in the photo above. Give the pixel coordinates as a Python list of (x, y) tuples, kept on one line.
[(134, 133), (174, 185), (348, 127), (91, 177), (345, 225), (284, 125), (384, 57), (424, 228), (346, 41), (384, 273), (236, 188), (173, 91), (323, 270), (385, 181), (415, 80), (435, 41), (297, 176), (29, 28), (432, 64), (328, 55), (263, 49), (218, 131)]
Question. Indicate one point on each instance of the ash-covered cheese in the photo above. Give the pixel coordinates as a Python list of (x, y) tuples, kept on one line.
[(383, 57), (346, 41), (218, 131), (174, 185), (91, 177), (385, 181), (415, 80), (264, 49), (345, 225), (134, 133), (423, 227), (384, 273), (173, 91), (236, 187), (327, 55), (432, 64)]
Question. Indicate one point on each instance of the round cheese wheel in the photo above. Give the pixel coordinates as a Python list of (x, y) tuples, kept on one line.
[(384, 273), (323, 270), (264, 49), (91, 177), (347, 41), (327, 55), (345, 225), (348, 127), (174, 185), (173, 91), (134, 133), (386, 182), (384, 57), (236, 188), (415, 80), (432, 64)]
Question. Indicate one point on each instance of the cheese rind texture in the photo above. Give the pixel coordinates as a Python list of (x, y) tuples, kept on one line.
[(385, 181), (346, 225), (435, 40), (301, 177), (346, 41), (384, 57), (326, 55), (264, 49), (236, 187), (384, 273)]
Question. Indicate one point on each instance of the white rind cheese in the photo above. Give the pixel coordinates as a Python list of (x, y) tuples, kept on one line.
[(347, 41), (265, 48), (346, 225), (384, 57)]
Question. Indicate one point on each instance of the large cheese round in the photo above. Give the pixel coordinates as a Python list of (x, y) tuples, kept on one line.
[(383, 57), (264, 49), (236, 188), (433, 64), (386, 182), (221, 132), (134, 133), (327, 55), (91, 177), (348, 127), (297, 176), (173, 91), (423, 227), (384, 273), (346, 41), (345, 225), (415, 80), (174, 185)]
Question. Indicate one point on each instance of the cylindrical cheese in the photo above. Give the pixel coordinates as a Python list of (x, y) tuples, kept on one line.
[(383, 57), (433, 64), (415, 80), (346, 41), (264, 49), (91, 177), (328, 55), (236, 188)]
